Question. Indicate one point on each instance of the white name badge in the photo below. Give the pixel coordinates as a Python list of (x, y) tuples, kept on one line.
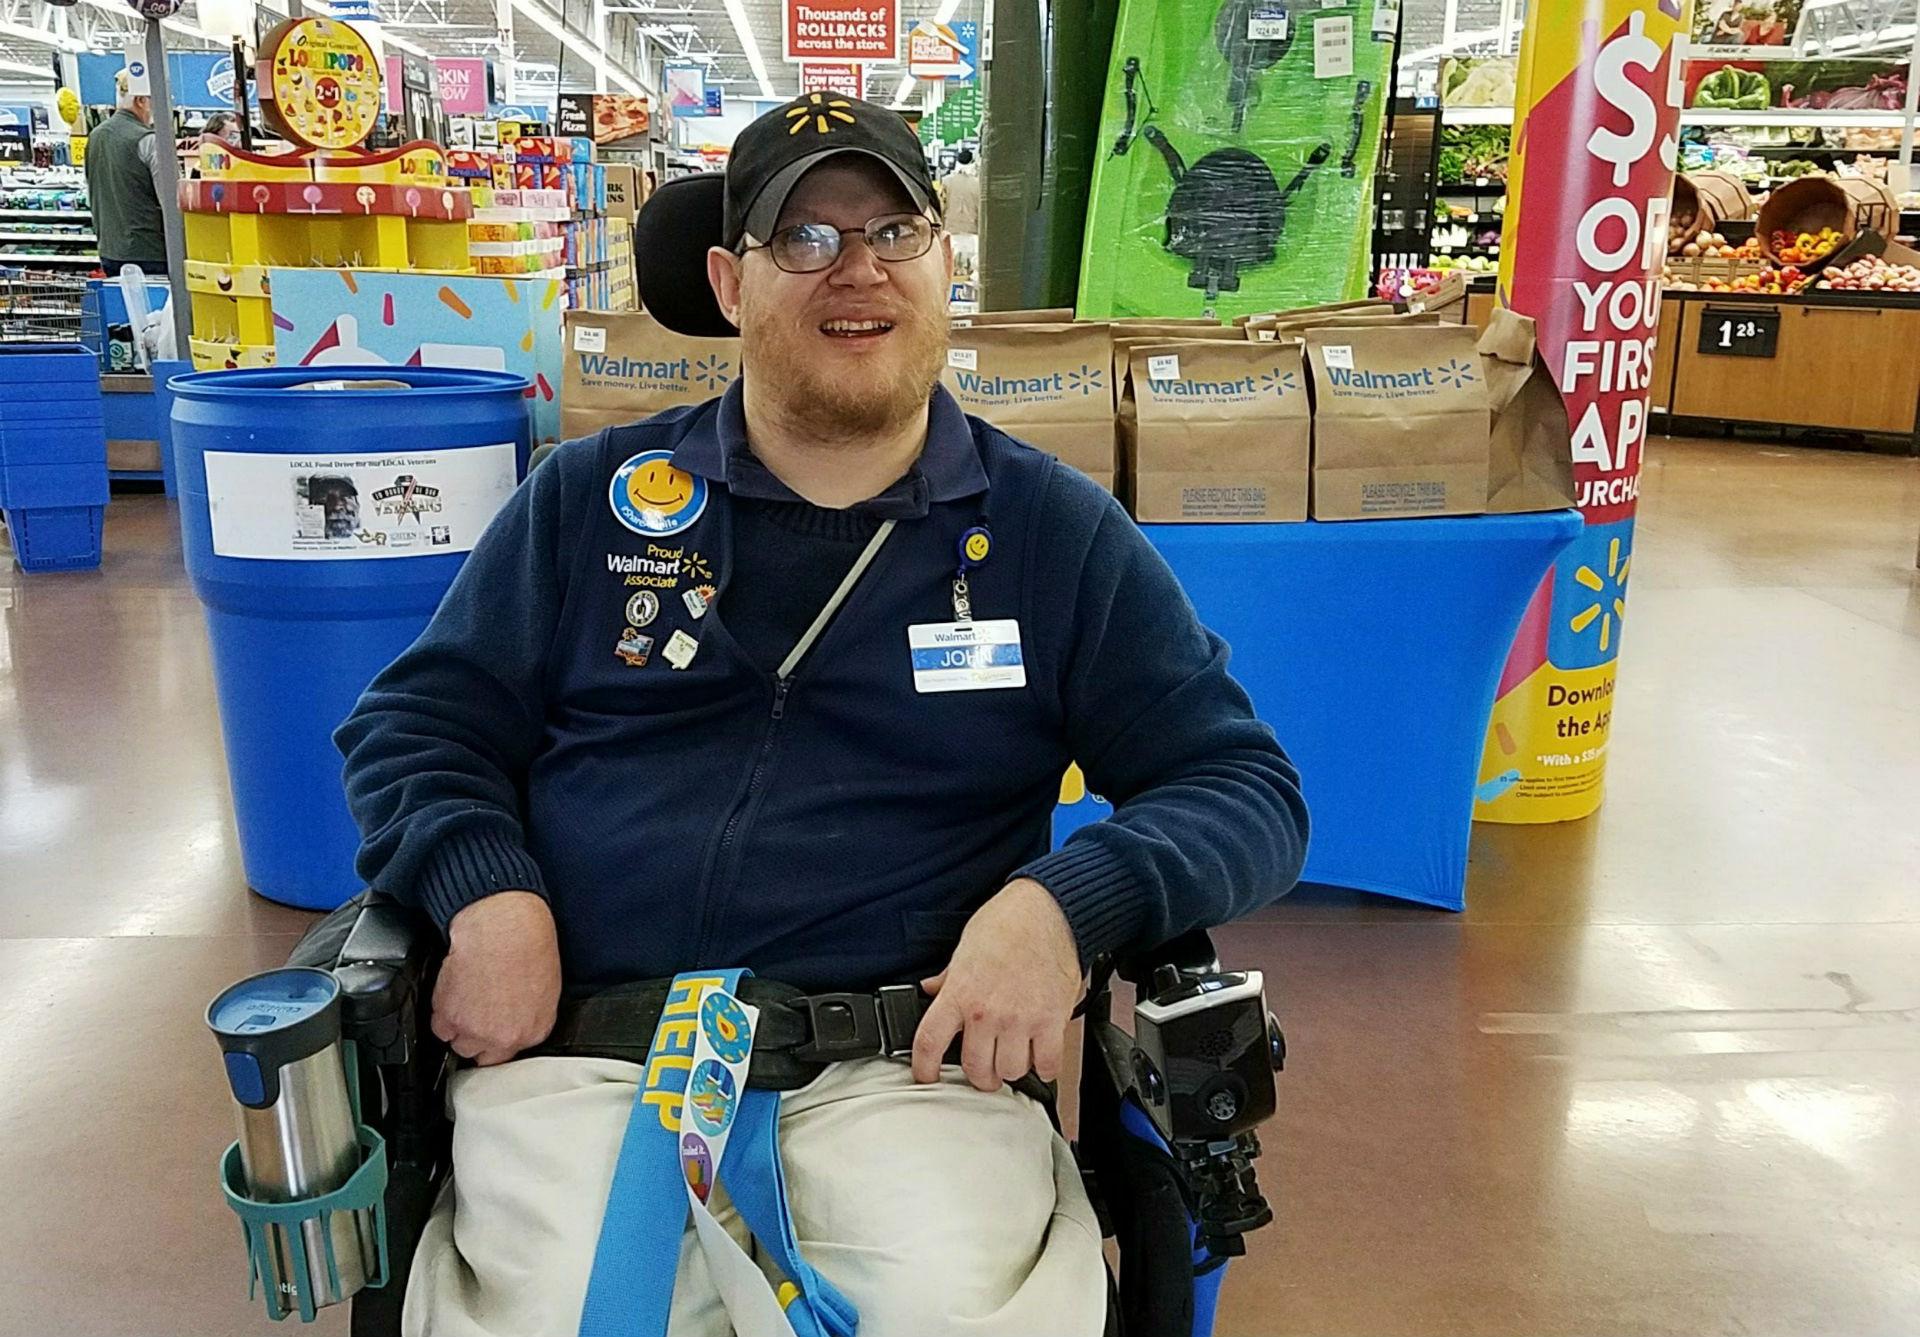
[(966, 656)]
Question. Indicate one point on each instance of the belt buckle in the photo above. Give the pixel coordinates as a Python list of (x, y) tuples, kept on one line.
[(843, 1026), (899, 1008)]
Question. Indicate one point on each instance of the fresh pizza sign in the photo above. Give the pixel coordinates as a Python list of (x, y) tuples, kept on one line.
[(842, 30)]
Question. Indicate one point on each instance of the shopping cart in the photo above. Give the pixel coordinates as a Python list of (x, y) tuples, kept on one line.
[(47, 308)]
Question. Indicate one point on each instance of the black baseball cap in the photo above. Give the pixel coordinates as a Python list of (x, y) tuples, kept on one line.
[(771, 155)]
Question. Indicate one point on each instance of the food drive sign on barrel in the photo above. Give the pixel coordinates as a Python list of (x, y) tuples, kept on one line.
[(1595, 145), (843, 30)]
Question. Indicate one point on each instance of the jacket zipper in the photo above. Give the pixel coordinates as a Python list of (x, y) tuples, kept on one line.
[(711, 914), (783, 683)]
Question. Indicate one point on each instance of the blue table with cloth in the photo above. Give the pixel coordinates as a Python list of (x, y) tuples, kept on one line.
[(1374, 649)]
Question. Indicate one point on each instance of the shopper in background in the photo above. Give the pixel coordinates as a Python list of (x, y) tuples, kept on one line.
[(625, 748), (961, 189), (123, 185), (223, 126)]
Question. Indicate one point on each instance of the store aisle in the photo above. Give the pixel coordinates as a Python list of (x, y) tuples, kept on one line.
[(1663, 1076)]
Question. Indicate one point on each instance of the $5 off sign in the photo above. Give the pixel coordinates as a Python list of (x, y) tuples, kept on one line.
[(1596, 144)]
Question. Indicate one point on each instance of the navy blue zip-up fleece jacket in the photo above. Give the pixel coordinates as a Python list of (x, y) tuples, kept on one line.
[(834, 829)]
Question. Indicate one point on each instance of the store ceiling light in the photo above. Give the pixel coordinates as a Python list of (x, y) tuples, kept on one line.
[(42, 36), (177, 25), (749, 45), (549, 22), (228, 18)]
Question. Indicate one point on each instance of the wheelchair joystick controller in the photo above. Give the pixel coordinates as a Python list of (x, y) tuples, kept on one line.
[(280, 1037), (1205, 1052)]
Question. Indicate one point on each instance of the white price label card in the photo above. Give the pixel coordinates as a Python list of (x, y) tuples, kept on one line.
[(1333, 47), (1267, 23), (964, 359), (1386, 19), (1338, 355), (1165, 367), (590, 339)]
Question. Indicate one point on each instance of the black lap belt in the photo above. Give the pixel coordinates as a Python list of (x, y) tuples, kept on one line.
[(799, 1033)]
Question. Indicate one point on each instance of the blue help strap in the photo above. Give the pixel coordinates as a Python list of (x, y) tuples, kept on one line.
[(674, 1151)]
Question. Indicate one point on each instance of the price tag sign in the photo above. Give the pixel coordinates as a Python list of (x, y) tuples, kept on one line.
[(1333, 48), (1267, 23), (1740, 331)]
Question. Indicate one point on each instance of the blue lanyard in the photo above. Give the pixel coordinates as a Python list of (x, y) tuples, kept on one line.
[(630, 1291)]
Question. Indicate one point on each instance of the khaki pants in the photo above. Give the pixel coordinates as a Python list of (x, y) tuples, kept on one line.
[(935, 1209)]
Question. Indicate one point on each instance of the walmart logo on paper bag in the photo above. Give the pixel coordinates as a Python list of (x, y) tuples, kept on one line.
[(712, 372), (1082, 381), (1244, 390), (1453, 375)]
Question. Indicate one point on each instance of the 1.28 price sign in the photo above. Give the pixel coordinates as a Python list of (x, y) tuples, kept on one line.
[(1739, 331)]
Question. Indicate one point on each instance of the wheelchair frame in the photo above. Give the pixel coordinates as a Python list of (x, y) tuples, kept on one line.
[(386, 958)]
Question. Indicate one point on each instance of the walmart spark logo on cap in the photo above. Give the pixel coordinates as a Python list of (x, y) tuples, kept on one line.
[(822, 112)]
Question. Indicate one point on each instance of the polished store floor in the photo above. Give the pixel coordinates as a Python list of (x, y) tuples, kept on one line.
[(1663, 1076)]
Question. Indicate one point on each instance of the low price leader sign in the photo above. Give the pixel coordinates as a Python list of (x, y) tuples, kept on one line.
[(843, 30)]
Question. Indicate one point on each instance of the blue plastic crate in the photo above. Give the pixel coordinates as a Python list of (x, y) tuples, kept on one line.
[(26, 369), (36, 486), (52, 443), (56, 538)]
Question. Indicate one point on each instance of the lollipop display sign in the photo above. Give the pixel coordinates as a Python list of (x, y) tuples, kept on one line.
[(319, 83)]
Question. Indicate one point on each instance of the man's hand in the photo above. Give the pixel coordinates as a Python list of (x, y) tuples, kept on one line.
[(499, 988), (1010, 989)]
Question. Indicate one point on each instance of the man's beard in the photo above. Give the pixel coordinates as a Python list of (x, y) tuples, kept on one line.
[(834, 399)]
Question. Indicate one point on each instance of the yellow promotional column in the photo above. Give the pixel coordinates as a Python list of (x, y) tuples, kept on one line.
[(1595, 141)]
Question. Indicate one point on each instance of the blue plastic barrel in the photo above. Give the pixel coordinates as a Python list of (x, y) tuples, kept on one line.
[(322, 523)]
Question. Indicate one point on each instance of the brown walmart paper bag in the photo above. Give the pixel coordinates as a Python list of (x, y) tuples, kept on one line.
[(1218, 432), (1125, 336), (1400, 422), (622, 366), (1530, 458), (1049, 385), (1058, 315)]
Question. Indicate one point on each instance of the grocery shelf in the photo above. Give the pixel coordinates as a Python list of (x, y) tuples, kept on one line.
[(1706, 116), (1710, 116), (58, 215), (48, 236), (20, 260)]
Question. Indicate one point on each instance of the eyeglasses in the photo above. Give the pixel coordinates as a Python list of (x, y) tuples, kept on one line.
[(812, 247)]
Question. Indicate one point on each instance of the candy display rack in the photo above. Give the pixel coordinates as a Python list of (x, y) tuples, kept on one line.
[(326, 205)]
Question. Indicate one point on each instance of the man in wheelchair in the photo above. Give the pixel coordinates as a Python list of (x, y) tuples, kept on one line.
[(786, 683)]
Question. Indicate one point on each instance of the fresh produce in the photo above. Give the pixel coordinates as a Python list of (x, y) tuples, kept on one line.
[(1881, 92), (1732, 89), (1807, 247), (1468, 152), (1796, 167), (1870, 273), (1709, 246), (1773, 282), (1474, 81)]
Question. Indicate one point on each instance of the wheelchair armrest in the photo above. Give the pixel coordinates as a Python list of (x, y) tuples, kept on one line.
[(1191, 953), (384, 955)]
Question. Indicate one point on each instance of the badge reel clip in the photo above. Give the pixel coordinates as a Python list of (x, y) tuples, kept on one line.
[(975, 546)]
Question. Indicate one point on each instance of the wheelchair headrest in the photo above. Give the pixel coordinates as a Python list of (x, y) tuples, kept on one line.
[(671, 237)]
